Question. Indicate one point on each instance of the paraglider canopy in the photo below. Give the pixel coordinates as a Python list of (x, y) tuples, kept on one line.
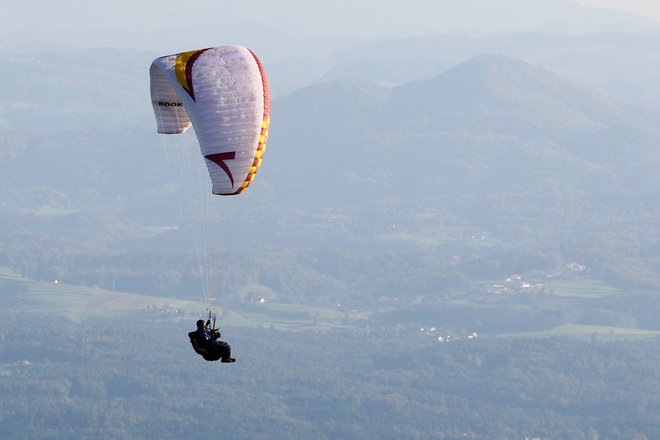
[(223, 93)]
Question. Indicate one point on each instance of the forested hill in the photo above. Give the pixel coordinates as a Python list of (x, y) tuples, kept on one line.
[(493, 147), (500, 95), (493, 133), (301, 385)]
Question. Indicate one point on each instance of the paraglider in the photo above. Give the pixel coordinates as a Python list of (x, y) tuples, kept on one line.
[(206, 342), (223, 93)]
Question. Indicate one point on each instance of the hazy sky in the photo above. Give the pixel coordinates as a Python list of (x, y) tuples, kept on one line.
[(160, 25), (648, 8)]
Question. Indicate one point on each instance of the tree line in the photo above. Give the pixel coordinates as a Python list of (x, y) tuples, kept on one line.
[(137, 377)]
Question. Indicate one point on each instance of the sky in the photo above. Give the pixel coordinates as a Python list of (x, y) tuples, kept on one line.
[(288, 25), (647, 8)]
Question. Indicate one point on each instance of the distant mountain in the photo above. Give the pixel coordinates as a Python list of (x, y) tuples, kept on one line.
[(493, 144), (620, 64), (516, 105), (502, 95)]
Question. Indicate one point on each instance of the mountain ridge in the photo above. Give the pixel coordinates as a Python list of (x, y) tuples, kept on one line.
[(492, 84)]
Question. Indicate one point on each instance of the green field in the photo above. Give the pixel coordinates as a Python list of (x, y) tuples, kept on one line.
[(585, 288), (594, 331), (580, 301), (9, 275), (80, 302)]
